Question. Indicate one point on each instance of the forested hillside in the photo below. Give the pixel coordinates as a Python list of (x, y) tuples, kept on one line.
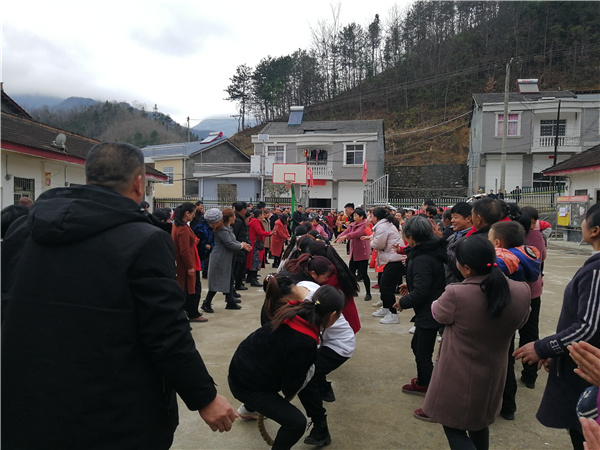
[(112, 121), (417, 69)]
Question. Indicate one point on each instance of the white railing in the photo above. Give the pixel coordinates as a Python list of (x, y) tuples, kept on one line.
[(563, 141), (321, 170)]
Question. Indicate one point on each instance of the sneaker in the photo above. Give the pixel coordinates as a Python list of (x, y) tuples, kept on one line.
[(247, 415), (368, 298), (232, 306), (419, 414), (378, 304), (390, 318), (375, 286), (414, 388), (382, 312), (412, 330)]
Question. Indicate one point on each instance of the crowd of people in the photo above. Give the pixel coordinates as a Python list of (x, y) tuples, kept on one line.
[(117, 287)]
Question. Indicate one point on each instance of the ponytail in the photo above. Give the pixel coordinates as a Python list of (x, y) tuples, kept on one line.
[(346, 280), (276, 287), (479, 254), (325, 301)]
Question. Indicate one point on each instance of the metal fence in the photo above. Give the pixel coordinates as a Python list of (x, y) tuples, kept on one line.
[(542, 199)]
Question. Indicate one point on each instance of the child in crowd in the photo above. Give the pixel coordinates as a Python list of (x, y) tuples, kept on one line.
[(518, 262)]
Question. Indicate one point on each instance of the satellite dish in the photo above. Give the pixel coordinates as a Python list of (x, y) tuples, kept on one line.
[(60, 139)]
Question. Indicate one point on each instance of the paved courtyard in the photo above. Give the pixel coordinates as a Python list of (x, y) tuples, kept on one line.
[(371, 412)]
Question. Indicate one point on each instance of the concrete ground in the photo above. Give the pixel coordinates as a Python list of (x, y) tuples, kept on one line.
[(371, 412)]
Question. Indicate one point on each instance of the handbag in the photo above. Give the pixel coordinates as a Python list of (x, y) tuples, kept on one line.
[(259, 245)]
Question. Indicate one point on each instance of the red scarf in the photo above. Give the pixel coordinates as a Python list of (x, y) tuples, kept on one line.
[(302, 326)]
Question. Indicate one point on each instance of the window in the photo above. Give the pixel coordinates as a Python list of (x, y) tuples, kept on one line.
[(168, 171), (354, 154), (24, 187), (548, 127), (227, 192), (581, 192), (513, 125), (278, 151)]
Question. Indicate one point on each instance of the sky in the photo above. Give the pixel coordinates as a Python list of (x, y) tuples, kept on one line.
[(179, 55)]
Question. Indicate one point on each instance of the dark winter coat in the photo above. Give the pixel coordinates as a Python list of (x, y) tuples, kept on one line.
[(275, 361), (95, 336), (579, 321), (425, 279)]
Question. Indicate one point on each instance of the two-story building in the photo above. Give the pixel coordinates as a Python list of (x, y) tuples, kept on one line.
[(536, 121), (212, 169), (335, 151)]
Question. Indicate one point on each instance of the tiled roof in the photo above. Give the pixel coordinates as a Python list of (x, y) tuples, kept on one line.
[(515, 97), (183, 148), (333, 127), (10, 106), (32, 134), (587, 159)]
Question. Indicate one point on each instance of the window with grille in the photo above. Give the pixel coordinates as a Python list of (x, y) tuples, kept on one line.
[(548, 127), (24, 187), (354, 154), (227, 192)]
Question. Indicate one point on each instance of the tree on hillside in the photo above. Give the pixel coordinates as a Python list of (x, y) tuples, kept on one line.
[(240, 91)]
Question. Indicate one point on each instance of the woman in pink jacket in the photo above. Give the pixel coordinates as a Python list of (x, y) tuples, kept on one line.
[(360, 250), (280, 235)]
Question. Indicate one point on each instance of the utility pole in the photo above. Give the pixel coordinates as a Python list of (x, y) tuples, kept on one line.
[(504, 129), (555, 148)]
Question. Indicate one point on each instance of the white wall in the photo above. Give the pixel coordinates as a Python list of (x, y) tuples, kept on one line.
[(585, 180), (349, 192), (17, 165), (514, 172)]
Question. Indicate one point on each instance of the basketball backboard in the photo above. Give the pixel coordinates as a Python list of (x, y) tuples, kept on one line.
[(289, 173)]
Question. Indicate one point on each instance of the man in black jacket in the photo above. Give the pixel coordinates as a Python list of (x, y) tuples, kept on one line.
[(94, 350)]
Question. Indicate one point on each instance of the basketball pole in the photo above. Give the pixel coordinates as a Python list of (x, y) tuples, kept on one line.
[(293, 205)]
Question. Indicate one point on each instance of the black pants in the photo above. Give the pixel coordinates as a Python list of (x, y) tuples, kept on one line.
[(204, 262), (239, 267), (392, 273), (362, 267), (474, 440), (275, 407), (192, 301), (327, 361), (422, 344), (509, 403), (577, 439), (529, 333)]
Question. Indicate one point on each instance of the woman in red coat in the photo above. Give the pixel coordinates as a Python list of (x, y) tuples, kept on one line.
[(257, 236), (280, 235), (187, 259)]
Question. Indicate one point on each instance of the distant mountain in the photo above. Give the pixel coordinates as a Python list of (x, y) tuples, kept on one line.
[(30, 102), (229, 127), (74, 102)]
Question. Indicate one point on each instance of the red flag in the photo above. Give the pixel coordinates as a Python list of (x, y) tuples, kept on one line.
[(311, 181), (365, 171)]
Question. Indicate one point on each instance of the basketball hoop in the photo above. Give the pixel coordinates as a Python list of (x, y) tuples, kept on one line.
[(288, 179)]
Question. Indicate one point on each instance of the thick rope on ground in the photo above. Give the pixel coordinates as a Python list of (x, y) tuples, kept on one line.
[(261, 426)]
